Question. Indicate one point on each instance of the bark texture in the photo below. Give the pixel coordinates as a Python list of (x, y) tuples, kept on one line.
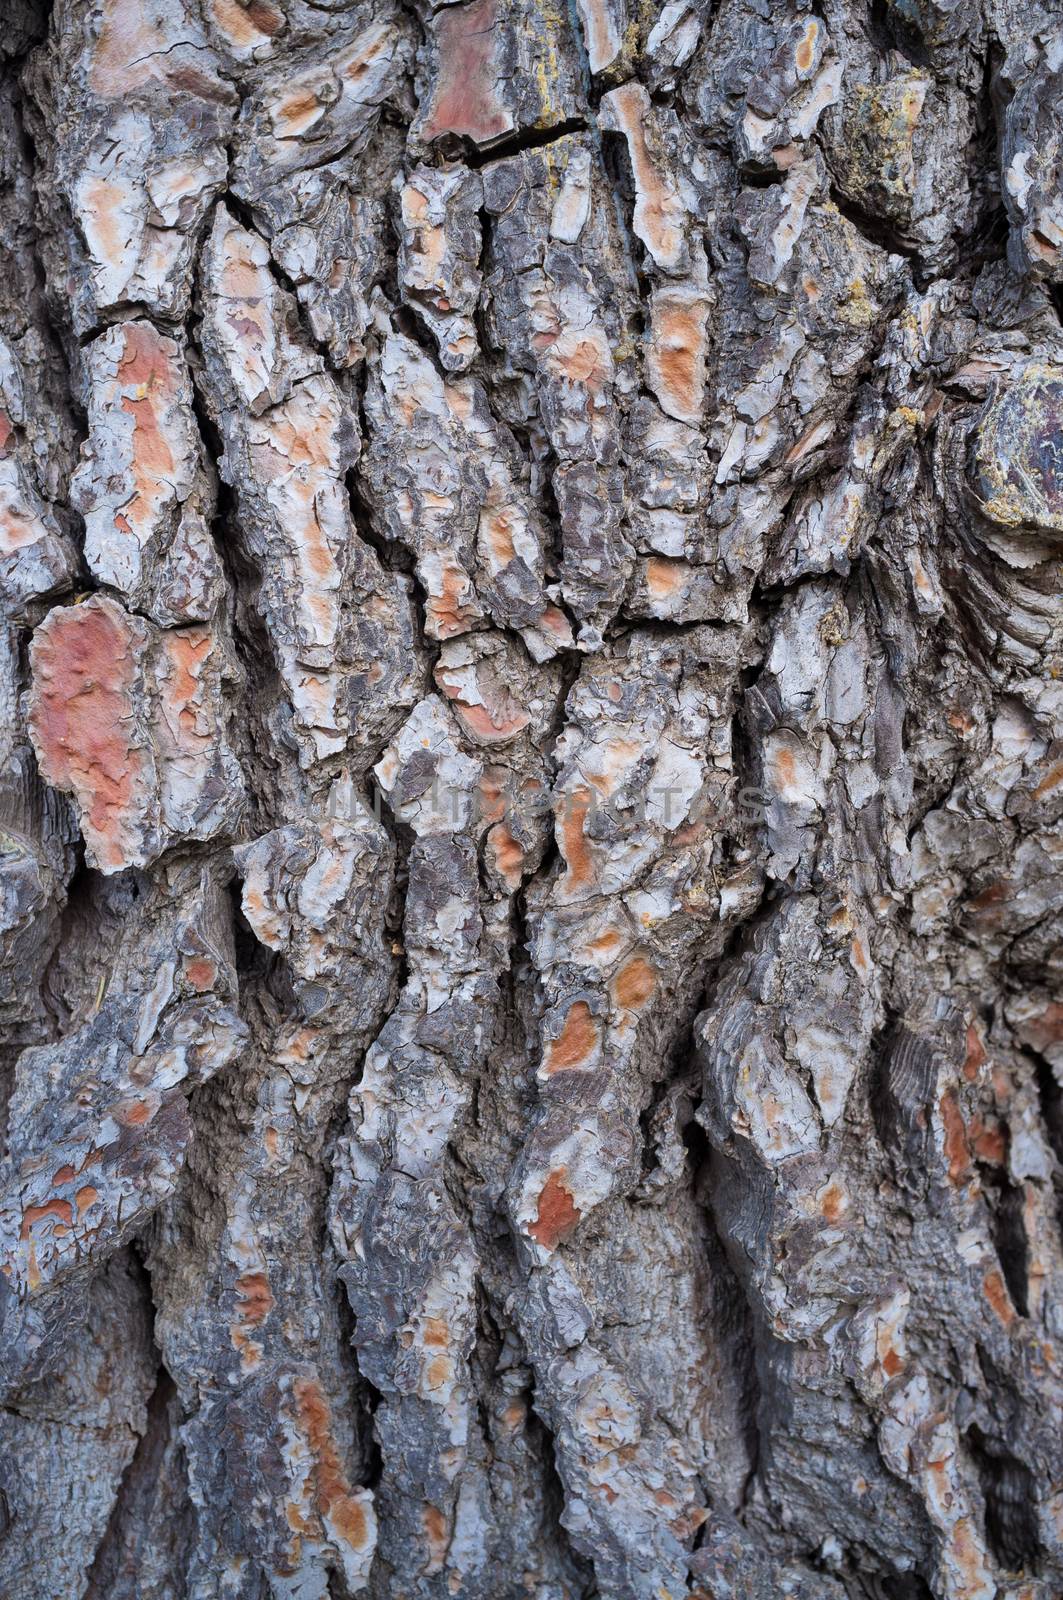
[(530, 865)]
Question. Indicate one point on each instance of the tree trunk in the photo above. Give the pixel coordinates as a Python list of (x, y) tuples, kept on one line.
[(529, 938)]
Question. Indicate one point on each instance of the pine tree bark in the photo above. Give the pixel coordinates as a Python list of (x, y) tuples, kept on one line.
[(530, 806)]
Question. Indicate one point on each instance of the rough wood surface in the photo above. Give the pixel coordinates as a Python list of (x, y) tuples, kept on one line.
[(530, 806)]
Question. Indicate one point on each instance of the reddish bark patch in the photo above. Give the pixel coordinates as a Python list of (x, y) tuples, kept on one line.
[(466, 100), (488, 722), (201, 973), (447, 613), (557, 1214), (498, 530), (84, 663), (186, 652)]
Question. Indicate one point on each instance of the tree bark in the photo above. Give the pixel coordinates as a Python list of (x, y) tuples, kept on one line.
[(533, 760)]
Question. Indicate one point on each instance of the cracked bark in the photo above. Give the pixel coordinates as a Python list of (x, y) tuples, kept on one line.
[(530, 1016)]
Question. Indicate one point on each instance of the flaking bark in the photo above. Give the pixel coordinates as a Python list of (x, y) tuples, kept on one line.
[(530, 851)]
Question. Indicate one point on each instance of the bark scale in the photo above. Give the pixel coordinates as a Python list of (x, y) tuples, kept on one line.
[(531, 791)]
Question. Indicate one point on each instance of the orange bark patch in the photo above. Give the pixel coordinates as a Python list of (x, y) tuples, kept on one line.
[(985, 906), (858, 953), (294, 115), (147, 365), (577, 1040), (498, 531), (86, 1196), (989, 1142), (997, 1295), (466, 98), (63, 1175), (246, 23), (135, 44), (256, 1298), (585, 361), (436, 1535), (1051, 780), (1045, 1030), (833, 1201), (574, 846), (600, 33), (332, 1492), (491, 724), (51, 1208), (439, 1372), (634, 983), (956, 1151), (785, 770), (664, 577), (891, 1363), (186, 650), (103, 219), (134, 1113), (447, 613), (492, 794), (805, 53), (557, 1215), (506, 854), (513, 1416), (677, 357), (975, 1053)]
